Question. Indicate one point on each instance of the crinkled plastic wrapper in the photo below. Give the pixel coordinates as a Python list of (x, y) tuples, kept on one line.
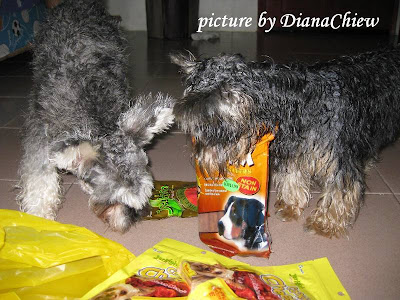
[(173, 199), (43, 259), (233, 209), (173, 269)]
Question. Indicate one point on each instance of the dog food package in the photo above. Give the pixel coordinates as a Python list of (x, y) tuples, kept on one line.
[(172, 269), (233, 209), (173, 199)]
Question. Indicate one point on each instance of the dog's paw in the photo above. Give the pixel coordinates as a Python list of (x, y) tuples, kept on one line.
[(287, 213), (325, 227)]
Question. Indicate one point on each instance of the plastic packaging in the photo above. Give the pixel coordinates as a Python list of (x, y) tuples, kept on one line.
[(43, 259), (173, 199), (174, 269), (233, 209)]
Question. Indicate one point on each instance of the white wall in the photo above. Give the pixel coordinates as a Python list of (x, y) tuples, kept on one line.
[(133, 12)]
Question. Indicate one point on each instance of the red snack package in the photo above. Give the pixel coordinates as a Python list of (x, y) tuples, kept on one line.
[(233, 209)]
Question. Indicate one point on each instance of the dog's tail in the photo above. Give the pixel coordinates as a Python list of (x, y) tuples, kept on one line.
[(148, 116)]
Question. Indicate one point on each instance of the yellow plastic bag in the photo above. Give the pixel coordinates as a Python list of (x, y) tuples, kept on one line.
[(43, 259), (175, 269)]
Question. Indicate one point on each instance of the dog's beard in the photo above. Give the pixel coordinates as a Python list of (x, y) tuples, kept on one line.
[(215, 159), (221, 126)]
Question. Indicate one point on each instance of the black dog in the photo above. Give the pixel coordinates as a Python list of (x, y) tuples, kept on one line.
[(333, 120), (244, 222)]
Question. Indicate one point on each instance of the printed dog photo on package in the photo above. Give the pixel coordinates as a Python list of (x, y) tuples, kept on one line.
[(233, 207)]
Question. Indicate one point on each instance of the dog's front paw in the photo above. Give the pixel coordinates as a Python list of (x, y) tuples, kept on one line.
[(286, 213), (325, 226)]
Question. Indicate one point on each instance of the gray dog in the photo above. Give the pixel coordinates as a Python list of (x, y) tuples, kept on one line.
[(82, 119), (333, 117)]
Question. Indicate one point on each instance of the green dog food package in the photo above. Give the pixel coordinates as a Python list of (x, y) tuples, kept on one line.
[(173, 199), (172, 269)]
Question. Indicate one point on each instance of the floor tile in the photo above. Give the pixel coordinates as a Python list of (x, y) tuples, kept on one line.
[(145, 69), (171, 86), (15, 123), (168, 70), (16, 68), (10, 156), (9, 192), (375, 183), (15, 86), (389, 167), (170, 158), (11, 108), (10, 153), (138, 84)]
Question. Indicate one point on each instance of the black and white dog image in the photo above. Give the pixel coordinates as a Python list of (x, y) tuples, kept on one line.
[(333, 119), (82, 118), (244, 223)]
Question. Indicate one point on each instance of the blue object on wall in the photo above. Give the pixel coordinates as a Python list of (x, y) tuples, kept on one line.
[(20, 20)]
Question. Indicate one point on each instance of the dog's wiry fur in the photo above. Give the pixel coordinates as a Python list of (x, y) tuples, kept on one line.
[(82, 118), (333, 118)]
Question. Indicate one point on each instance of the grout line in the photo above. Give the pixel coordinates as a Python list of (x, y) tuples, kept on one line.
[(397, 197), (13, 97), (387, 184), (69, 187), (376, 195), (9, 180), (367, 193), (12, 128), (15, 76), (177, 131), (5, 125)]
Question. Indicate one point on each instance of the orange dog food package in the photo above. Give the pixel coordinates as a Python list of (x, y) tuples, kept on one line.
[(233, 209)]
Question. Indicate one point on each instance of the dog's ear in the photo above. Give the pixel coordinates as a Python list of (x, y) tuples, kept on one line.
[(148, 116), (187, 62), (255, 213), (230, 200)]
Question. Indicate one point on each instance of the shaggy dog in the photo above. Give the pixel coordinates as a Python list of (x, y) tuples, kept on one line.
[(82, 118), (333, 118)]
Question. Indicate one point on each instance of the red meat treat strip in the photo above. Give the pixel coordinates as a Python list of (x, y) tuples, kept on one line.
[(252, 287), (160, 288)]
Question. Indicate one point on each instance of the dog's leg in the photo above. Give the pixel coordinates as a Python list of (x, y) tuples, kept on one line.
[(338, 206), (293, 191), (40, 193)]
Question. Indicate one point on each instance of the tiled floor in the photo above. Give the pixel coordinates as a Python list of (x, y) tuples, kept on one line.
[(367, 263)]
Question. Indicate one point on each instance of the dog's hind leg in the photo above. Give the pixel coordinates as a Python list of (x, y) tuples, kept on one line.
[(293, 191), (40, 193), (339, 205)]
